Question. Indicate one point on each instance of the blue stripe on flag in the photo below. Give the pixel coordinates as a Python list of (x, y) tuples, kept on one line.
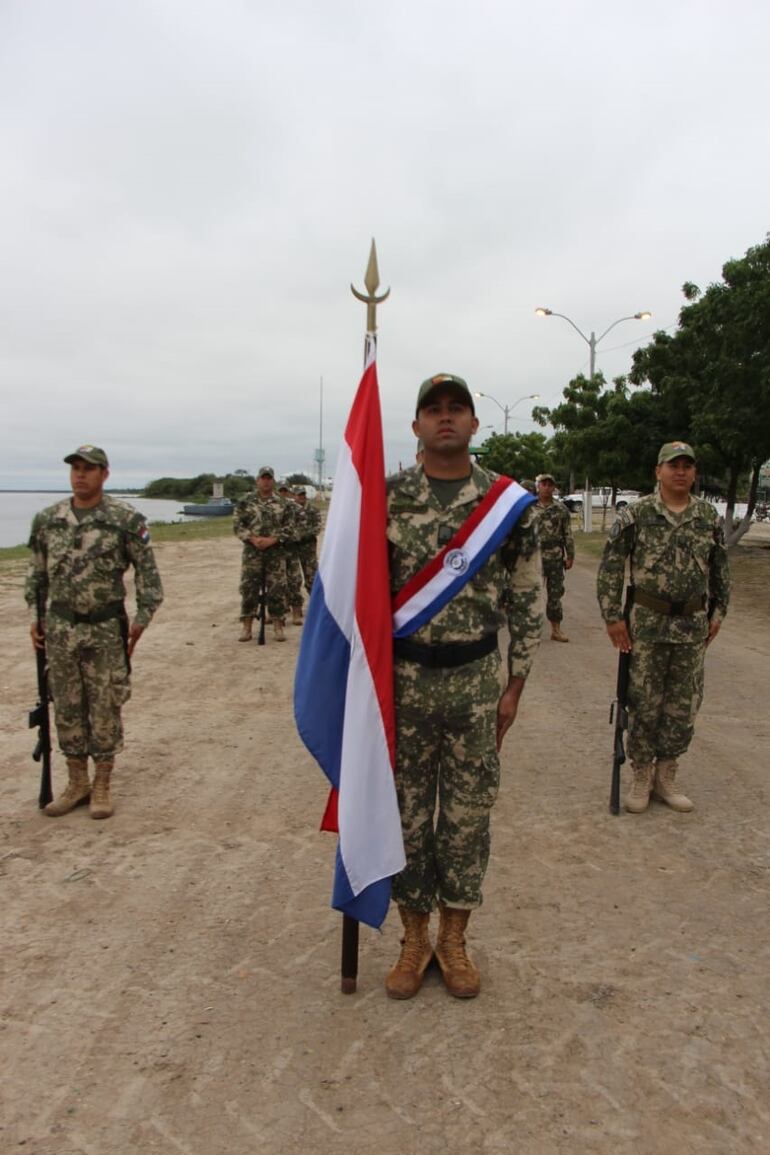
[(319, 684)]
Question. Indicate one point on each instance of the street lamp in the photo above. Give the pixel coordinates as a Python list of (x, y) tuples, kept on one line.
[(506, 410), (591, 342)]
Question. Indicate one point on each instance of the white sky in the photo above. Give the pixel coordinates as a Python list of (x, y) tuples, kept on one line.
[(188, 187)]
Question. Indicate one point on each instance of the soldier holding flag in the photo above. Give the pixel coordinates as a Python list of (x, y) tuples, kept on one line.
[(464, 558)]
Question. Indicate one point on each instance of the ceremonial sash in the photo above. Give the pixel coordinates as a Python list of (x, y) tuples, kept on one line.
[(482, 532)]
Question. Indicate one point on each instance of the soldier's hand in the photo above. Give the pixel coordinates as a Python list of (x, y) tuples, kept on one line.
[(568, 562), (134, 634), (713, 630), (507, 708), (37, 633), (619, 636)]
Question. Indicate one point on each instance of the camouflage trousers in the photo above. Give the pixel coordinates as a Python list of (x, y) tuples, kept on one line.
[(89, 683), (665, 691), (293, 576), (553, 576), (308, 559), (446, 726), (274, 562)]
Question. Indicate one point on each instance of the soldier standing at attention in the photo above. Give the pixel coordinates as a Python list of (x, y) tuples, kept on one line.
[(309, 528), (81, 547), (451, 716), (680, 588), (558, 549), (266, 524), (293, 566)]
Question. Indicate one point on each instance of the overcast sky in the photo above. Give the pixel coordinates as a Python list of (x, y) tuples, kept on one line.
[(188, 187)]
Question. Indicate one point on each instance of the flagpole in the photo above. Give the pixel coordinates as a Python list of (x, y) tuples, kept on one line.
[(349, 960)]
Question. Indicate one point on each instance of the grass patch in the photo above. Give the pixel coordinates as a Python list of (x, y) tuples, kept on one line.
[(191, 530)]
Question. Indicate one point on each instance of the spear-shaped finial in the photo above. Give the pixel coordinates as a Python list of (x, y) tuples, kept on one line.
[(372, 282)]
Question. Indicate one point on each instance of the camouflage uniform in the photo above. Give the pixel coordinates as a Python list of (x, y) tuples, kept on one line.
[(77, 568), (293, 576), (557, 545), (446, 718), (257, 516), (679, 557), (309, 528)]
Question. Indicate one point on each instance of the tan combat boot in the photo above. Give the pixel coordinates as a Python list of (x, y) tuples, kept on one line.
[(638, 798), (278, 629), (101, 803), (461, 977), (246, 630), (556, 634), (296, 615), (663, 787), (405, 977), (75, 792)]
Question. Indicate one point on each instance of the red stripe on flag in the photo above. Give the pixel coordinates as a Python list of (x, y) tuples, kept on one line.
[(363, 434)]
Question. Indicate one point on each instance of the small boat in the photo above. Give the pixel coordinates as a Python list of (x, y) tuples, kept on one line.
[(214, 507)]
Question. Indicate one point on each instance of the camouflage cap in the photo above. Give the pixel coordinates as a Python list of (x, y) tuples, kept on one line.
[(90, 453), (674, 449), (283, 485), (266, 471), (444, 381), (546, 477), (300, 491)]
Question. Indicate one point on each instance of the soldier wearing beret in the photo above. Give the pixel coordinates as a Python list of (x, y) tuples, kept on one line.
[(673, 548), (452, 711), (81, 547), (557, 547)]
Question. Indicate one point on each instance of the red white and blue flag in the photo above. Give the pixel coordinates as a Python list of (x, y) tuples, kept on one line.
[(343, 686)]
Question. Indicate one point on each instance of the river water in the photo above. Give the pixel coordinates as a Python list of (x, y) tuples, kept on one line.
[(18, 507)]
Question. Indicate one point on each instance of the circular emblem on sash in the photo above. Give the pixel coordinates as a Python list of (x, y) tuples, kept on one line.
[(456, 561)]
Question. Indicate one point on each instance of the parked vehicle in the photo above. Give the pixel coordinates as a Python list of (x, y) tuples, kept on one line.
[(601, 498)]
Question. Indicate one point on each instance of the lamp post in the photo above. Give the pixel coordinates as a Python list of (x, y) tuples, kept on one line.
[(591, 342), (506, 410)]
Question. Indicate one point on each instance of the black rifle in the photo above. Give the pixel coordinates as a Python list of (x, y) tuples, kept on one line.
[(262, 612), (39, 717), (619, 713)]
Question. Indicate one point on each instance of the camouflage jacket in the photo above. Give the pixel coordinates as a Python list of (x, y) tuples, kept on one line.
[(554, 527), (273, 516), (309, 521), (80, 564), (506, 588), (667, 557)]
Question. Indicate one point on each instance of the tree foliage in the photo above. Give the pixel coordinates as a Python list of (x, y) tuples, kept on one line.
[(519, 455), (713, 375), (200, 488), (604, 434)]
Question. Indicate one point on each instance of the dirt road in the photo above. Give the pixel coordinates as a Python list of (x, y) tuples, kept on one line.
[(171, 976)]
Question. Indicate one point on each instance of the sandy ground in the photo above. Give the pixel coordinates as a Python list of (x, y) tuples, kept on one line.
[(171, 976)]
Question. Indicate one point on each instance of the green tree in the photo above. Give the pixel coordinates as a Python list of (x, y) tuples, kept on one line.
[(604, 434), (520, 455), (713, 376)]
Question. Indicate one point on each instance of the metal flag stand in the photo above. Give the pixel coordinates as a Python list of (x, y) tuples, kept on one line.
[(349, 961)]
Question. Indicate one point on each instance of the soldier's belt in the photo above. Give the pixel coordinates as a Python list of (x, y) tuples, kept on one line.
[(112, 610), (444, 656), (672, 609)]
